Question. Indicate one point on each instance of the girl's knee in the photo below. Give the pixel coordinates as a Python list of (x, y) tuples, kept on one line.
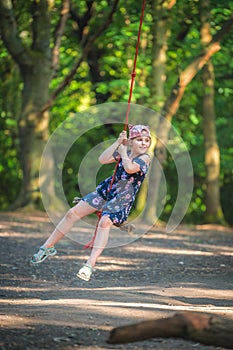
[(105, 222), (71, 215)]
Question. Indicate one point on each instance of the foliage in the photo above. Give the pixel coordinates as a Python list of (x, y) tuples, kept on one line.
[(104, 76), (10, 171)]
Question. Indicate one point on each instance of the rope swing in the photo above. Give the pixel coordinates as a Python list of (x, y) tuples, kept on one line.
[(133, 75)]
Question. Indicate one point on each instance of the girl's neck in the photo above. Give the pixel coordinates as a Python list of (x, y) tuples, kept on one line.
[(131, 154)]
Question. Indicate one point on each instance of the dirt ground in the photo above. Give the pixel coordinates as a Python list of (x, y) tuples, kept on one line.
[(155, 276)]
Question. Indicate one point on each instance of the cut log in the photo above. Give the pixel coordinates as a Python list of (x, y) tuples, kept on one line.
[(203, 328)]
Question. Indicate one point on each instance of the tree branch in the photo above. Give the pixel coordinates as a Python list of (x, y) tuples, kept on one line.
[(41, 19), (171, 3), (172, 103), (10, 36), (226, 27), (204, 328), (59, 32), (82, 21), (86, 49)]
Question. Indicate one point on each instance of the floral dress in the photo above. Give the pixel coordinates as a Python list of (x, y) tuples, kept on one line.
[(117, 202)]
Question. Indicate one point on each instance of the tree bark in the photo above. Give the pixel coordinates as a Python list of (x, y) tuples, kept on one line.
[(202, 328), (213, 213)]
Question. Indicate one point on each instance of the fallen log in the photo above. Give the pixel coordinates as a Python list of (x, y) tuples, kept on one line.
[(202, 328)]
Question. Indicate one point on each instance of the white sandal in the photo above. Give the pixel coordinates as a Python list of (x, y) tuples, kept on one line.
[(85, 272)]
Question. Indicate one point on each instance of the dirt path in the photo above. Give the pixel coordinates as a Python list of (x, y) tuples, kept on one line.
[(155, 276)]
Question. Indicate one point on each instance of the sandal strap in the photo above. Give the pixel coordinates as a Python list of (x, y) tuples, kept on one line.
[(89, 267), (45, 249), (86, 270)]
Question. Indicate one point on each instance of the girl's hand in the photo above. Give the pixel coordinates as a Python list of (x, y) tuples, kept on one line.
[(122, 139), (122, 149)]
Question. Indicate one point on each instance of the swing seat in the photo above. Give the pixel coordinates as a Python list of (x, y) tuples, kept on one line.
[(76, 200), (125, 226)]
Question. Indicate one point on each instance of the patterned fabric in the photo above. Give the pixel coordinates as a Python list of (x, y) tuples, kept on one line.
[(136, 131), (117, 203)]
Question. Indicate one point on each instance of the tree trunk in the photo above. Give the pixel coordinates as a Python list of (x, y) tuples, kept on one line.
[(202, 328), (213, 212), (156, 84), (34, 132), (35, 69)]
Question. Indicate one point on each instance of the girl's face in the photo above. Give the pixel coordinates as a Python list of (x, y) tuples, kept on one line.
[(140, 144)]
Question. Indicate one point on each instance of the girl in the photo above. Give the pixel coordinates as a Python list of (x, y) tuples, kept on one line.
[(114, 196)]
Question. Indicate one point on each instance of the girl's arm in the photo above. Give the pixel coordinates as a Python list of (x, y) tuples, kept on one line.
[(107, 156), (130, 166)]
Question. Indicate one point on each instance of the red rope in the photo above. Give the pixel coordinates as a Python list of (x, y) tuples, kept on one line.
[(91, 243), (133, 75)]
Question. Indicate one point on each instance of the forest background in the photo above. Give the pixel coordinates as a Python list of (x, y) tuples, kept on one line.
[(59, 58)]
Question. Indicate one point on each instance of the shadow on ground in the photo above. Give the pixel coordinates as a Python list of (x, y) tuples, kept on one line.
[(154, 276)]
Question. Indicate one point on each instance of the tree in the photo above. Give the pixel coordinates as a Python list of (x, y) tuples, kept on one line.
[(35, 69), (213, 212), (160, 32), (172, 103), (37, 63)]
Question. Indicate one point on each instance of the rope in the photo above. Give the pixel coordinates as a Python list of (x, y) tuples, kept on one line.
[(133, 75)]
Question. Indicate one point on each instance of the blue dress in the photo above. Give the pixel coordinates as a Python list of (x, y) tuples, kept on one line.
[(117, 202)]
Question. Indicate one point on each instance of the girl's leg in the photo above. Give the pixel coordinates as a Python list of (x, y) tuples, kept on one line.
[(100, 240), (74, 214)]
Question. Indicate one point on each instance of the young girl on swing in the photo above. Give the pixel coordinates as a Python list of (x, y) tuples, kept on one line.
[(114, 198)]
